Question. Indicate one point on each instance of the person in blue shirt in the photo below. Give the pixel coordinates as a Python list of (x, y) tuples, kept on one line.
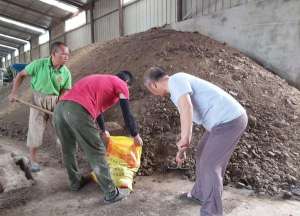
[(224, 119), (12, 71)]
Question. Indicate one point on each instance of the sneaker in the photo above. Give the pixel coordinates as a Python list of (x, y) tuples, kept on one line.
[(189, 197), (35, 167), (117, 197)]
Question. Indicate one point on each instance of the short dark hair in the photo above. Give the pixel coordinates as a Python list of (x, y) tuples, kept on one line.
[(56, 45), (154, 74), (125, 76)]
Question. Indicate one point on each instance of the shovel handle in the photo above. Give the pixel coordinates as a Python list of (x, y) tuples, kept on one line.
[(34, 106)]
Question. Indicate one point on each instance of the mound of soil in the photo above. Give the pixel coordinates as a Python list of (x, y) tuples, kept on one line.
[(267, 157)]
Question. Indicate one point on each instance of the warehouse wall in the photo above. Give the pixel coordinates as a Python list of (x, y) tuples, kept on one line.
[(138, 16), (16, 58), (192, 8), (44, 50), (267, 31), (145, 14), (106, 20), (78, 37)]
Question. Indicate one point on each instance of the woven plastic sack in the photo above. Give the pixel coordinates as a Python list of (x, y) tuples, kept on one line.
[(124, 159)]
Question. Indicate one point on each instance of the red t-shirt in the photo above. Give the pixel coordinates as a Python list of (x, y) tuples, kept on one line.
[(96, 93)]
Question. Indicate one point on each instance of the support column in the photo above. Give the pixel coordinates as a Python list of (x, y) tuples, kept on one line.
[(179, 10), (121, 18), (92, 22)]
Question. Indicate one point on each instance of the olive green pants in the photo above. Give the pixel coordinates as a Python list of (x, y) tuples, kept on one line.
[(73, 125)]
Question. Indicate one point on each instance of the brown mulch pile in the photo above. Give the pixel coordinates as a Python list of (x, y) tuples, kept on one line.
[(267, 157)]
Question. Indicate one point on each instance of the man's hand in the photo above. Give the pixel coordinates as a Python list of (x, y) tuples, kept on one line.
[(16, 84), (138, 140), (105, 136), (180, 157), (183, 144), (12, 97)]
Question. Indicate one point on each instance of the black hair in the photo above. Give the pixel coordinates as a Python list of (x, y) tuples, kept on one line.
[(125, 76), (154, 74), (56, 45)]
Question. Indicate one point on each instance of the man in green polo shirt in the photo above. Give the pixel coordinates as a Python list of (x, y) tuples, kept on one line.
[(49, 79)]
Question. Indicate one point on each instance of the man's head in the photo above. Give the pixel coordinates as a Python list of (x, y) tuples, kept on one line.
[(155, 79), (125, 76), (59, 53)]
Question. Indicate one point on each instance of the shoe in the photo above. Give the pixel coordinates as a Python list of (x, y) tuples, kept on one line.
[(83, 181), (117, 197), (188, 197), (35, 167)]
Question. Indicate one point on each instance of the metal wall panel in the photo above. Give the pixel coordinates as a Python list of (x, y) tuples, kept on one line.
[(61, 39), (130, 19), (44, 50), (22, 57), (27, 57), (146, 14), (35, 53), (16, 59), (141, 23), (57, 30), (34, 42), (103, 7), (79, 37), (192, 8), (107, 27)]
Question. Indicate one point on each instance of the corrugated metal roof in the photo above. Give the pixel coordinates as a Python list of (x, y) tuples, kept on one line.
[(32, 12)]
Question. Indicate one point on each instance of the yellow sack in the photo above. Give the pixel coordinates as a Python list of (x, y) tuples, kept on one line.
[(124, 159)]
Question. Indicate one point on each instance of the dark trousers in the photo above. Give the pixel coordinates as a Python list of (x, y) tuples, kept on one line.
[(73, 125)]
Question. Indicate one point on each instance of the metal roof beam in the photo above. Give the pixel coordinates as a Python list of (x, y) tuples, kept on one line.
[(72, 3), (9, 44), (9, 37), (4, 53), (10, 41), (22, 21), (28, 33), (30, 9)]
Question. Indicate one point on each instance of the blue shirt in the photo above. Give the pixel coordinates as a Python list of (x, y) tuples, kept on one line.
[(211, 105), (18, 67)]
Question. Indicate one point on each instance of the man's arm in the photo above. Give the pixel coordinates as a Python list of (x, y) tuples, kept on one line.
[(67, 85), (17, 83), (129, 120), (186, 115), (185, 107), (100, 121), (104, 133)]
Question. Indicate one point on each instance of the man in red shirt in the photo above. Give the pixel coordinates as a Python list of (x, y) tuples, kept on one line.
[(75, 118)]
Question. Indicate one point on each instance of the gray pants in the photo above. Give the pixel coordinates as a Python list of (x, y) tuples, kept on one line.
[(212, 155)]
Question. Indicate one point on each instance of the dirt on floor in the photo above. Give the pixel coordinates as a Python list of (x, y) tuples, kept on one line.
[(267, 157), (156, 195)]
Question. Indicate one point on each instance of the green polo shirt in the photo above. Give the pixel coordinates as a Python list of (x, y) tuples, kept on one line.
[(46, 79)]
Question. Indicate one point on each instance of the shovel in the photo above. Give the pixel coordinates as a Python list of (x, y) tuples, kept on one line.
[(34, 106)]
